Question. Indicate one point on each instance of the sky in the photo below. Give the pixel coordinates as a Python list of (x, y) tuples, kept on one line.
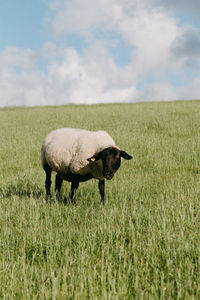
[(55, 52)]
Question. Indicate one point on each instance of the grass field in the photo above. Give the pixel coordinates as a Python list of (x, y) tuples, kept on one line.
[(144, 243)]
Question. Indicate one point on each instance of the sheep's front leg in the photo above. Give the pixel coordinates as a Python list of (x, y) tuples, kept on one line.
[(58, 184), (48, 171), (74, 187), (102, 190)]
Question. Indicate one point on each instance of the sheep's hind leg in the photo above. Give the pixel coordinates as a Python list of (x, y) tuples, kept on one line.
[(48, 171), (58, 184), (102, 190), (74, 187)]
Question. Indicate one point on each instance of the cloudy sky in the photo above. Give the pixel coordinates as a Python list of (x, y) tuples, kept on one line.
[(54, 52)]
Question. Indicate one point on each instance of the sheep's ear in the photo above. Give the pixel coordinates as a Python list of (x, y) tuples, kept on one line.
[(94, 158), (125, 155)]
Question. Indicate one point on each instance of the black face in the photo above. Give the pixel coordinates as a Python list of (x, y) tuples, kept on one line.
[(111, 162), (111, 159)]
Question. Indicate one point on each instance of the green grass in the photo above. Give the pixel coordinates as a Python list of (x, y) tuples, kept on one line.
[(144, 243)]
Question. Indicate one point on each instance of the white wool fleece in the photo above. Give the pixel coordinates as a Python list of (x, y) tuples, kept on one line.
[(67, 149)]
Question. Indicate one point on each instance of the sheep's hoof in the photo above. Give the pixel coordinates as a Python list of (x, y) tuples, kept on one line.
[(103, 200), (68, 201), (49, 199), (72, 202)]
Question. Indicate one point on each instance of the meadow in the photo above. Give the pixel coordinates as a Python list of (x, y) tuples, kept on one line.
[(144, 243)]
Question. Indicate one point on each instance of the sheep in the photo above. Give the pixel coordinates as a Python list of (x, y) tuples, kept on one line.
[(78, 155)]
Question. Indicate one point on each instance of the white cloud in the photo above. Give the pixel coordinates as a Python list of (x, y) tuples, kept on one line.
[(150, 33), (180, 7), (71, 79), (158, 92), (15, 57), (191, 90), (57, 75), (186, 47), (77, 16)]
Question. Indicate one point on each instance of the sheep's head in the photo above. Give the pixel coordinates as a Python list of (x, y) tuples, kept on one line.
[(111, 160)]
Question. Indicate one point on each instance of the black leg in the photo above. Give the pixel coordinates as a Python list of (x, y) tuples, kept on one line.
[(102, 190), (74, 187), (58, 184), (48, 171)]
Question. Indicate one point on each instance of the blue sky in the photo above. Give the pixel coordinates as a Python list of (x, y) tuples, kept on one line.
[(22, 23), (55, 52)]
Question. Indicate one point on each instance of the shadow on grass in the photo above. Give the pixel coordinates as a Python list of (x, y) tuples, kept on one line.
[(22, 188), (29, 189), (61, 200), (25, 187)]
